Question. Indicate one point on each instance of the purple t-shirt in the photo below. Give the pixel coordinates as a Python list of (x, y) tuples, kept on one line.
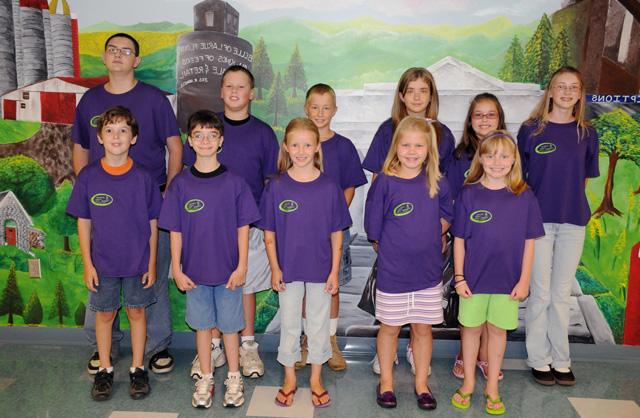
[(120, 208), (155, 117), (250, 150), (495, 225), (405, 221), (303, 216), (208, 212), (556, 165), (457, 173), (381, 143), (341, 162)]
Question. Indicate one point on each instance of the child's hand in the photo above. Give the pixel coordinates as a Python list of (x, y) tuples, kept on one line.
[(183, 281), (277, 284), (462, 289), (520, 292), (91, 278), (149, 278), (332, 285), (237, 278)]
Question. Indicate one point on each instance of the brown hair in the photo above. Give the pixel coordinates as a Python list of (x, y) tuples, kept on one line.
[(298, 124), (321, 88), (116, 114), (469, 141)]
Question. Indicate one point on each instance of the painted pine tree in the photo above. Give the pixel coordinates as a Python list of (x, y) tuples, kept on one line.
[(59, 306), (79, 314), (295, 77), (262, 68), (513, 67), (277, 101), (537, 52), (561, 55), (11, 301), (33, 311)]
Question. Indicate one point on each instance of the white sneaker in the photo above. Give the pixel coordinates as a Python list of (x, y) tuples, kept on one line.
[(218, 359), (411, 362), (375, 366), (250, 361), (203, 395), (234, 395)]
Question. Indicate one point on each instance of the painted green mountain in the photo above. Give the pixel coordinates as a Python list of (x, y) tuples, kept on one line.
[(138, 27)]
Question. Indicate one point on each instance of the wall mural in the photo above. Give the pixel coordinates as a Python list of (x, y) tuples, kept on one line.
[(49, 57)]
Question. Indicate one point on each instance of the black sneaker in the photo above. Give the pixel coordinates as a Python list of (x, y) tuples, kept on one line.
[(161, 362), (564, 378), (543, 378), (93, 365), (139, 387), (102, 386)]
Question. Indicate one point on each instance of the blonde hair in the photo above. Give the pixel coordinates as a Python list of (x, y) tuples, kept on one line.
[(391, 164), (320, 89), (540, 114), (299, 124), (490, 145)]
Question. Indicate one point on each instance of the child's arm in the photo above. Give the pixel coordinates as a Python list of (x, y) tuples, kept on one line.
[(91, 279), (277, 283), (149, 278), (445, 227), (336, 254), (239, 275), (183, 281), (349, 192), (461, 286), (521, 291)]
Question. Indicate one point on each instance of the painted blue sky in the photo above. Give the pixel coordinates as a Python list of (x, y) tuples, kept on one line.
[(456, 12)]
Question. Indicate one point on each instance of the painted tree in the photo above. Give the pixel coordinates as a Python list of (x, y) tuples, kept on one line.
[(561, 55), (262, 68), (295, 77), (79, 314), (57, 218), (619, 139), (537, 52), (31, 184), (11, 301), (277, 102), (33, 310), (513, 67), (59, 306)]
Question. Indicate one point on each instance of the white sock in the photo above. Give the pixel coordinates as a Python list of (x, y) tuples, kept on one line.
[(216, 342), (333, 326), (133, 369), (543, 369), (108, 369), (247, 339), (208, 376), (563, 369), (233, 374), (304, 325)]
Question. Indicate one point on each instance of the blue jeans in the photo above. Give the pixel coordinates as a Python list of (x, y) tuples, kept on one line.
[(215, 307), (345, 261), (158, 314), (555, 261)]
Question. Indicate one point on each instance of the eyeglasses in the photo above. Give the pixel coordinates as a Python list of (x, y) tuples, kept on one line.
[(488, 115), (114, 50), (199, 137), (568, 89)]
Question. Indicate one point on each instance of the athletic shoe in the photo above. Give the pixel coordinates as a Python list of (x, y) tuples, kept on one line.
[(375, 363), (336, 362), (218, 359), (411, 362), (161, 362), (203, 393), (139, 383), (250, 362), (564, 378), (234, 394), (102, 386), (93, 365), (545, 377)]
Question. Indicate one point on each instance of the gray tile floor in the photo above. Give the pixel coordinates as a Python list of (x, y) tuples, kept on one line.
[(50, 381)]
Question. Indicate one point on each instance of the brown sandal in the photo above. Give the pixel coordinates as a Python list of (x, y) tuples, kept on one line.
[(286, 395)]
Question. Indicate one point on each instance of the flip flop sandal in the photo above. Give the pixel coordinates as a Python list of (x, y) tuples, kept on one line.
[(484, 368), (458, 363), (464, 397), (318, 396), (493, 402), (286, 397)]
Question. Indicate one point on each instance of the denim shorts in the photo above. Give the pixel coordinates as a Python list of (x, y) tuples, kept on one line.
[(345, 261), (215, 307), (107, 297)]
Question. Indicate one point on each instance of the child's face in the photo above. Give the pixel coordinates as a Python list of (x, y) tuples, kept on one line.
[(484, 118), (236, 92), (116, 60), (205, 141), (321, 108), (565, 91), (302, 145), (498, 164), (416, 97), (412, 149), (117, 138)]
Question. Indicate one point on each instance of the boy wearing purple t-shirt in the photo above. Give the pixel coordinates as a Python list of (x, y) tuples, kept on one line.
[(251, 152), (159, 135), (208, 211), (117, 204)]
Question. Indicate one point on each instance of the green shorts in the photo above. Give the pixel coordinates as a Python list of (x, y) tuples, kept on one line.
[(498, 309)]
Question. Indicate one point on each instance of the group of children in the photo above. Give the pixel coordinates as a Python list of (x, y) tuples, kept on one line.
[(248, 214)]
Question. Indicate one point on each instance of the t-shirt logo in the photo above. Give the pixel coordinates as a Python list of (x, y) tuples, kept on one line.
[(288, 206), (101, 199), (94, 121), (403, 209), (194, 205), (466, 173), (545, 148), (481, 216)]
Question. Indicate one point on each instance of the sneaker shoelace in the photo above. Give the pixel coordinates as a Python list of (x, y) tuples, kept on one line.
[(203, 386), (138, 379), (251, 354), (233, 383), (102, 381)]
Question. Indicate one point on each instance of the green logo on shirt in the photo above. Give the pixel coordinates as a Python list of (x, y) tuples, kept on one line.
[(101, 199), (403, 209), (194, 205), (481, 216), (288, 206), (545, 148), (466, 173), (94, 121)]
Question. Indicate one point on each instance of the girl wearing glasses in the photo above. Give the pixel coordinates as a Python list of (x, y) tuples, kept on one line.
[(559, 152)]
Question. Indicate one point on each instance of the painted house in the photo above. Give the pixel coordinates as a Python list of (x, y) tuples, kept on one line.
[(16, 226)]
